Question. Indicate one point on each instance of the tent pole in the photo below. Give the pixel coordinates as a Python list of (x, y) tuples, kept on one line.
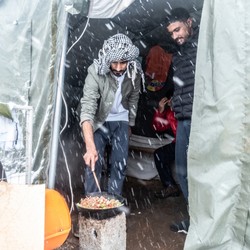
[(58, 108)]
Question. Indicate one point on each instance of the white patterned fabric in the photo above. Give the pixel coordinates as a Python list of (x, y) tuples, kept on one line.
[(118, 48)]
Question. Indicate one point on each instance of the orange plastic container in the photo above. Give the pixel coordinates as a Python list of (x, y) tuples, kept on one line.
[(57, 220)]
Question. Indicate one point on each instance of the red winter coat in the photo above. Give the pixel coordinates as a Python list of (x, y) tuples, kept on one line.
[(165, 120)]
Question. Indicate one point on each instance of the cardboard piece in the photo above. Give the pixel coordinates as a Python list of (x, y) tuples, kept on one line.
[(22, 216)]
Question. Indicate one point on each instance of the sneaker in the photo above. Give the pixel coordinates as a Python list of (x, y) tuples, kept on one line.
[(181, 227), (170, 191)]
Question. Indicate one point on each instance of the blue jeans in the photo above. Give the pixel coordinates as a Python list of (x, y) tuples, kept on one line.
[(181, 147), (116, 134)]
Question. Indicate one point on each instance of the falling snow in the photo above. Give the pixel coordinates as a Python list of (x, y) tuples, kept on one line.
[(149, 218)]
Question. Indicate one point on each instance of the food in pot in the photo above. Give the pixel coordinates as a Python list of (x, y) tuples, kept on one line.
[(99, 202)]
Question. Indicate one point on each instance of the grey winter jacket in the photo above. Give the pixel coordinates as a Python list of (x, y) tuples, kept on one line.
[(99, 94), (184, 63)]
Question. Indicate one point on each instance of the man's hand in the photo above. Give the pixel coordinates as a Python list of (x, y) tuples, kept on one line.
[(90, 158), (91, 155)]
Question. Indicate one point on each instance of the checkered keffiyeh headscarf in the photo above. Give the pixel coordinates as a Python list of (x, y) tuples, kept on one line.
[(118, 48)]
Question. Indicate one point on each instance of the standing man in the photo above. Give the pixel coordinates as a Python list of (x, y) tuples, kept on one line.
[(108, 109), (180, 27)]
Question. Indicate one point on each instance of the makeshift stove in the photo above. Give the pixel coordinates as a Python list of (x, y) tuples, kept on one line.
[(102, 229), (102, 234)]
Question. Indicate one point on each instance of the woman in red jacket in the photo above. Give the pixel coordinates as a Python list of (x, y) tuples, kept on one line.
[(164, 157)]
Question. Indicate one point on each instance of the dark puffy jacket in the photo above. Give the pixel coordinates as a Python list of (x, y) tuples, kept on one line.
[(184, 61)]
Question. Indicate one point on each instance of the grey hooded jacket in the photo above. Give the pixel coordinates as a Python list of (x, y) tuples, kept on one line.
[(99, 94)]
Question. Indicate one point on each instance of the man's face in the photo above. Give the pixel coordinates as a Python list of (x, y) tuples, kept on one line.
[(180, 31), (118, 68)]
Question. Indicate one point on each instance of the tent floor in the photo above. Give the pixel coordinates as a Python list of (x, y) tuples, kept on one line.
[(149, 219)]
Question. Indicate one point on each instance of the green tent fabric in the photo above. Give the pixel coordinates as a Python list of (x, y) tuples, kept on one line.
[(218, 154)]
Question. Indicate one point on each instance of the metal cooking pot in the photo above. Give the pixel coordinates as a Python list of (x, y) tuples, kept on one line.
[(101, 214)]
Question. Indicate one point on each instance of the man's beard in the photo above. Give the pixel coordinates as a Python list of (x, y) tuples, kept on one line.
[(180, 40), (118, 73), (183, 39)]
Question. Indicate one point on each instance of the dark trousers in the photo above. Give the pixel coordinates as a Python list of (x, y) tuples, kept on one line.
[(182, 142), (115, 134), (164, 158)]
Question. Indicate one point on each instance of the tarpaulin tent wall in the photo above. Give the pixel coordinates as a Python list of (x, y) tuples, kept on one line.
[(31, 38), (219, 150)]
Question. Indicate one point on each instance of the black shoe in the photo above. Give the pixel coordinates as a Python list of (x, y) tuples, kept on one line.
[(181, 227), (170, 191)]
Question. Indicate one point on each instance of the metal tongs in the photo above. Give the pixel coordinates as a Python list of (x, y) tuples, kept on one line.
[(96, 181)]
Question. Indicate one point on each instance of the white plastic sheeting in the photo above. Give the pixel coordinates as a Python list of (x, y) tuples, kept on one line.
[(219, 150), (107, 8), (97, 8), (31, 38)]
